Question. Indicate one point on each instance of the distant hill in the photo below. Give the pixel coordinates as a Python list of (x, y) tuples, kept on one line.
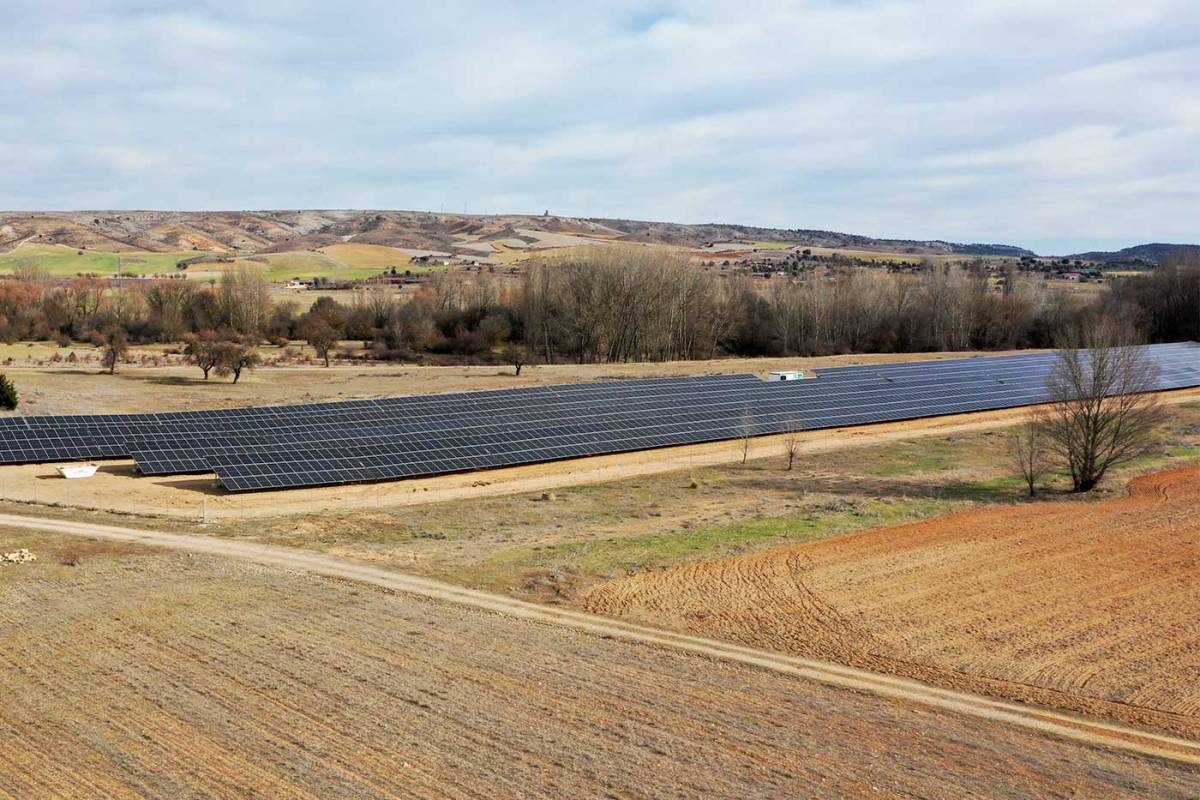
[(1143, 253), (698, 235), (286, 231)]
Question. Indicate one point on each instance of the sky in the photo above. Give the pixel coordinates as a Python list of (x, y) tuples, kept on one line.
[(1059, 125)]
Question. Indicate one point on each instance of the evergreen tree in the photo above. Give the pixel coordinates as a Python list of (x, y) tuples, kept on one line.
[(8, 393)]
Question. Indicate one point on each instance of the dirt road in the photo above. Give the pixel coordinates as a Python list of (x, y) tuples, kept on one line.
[(1064, 726)]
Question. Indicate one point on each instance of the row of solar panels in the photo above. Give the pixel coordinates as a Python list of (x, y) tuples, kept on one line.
[(363, 440)]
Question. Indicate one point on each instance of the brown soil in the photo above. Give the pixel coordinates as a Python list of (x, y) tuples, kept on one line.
[(147, 673), (1088, 607)]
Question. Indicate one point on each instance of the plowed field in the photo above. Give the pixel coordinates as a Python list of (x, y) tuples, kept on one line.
[(143, 673), (1091, 607)]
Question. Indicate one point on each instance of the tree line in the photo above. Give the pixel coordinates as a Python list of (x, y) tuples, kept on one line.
[(603, 304)]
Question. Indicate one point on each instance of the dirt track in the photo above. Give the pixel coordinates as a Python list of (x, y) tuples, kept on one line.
[(1043, 721), (1089, 607)]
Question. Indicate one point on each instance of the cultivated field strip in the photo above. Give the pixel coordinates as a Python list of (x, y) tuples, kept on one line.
[(1063, 726), (1087, 607), (391, 438)]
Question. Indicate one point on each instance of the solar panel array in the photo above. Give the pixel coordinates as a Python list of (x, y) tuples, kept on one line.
[(275, 447)]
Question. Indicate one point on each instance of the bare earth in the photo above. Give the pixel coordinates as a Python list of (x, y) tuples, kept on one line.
[(1085, 606), (144, 672)]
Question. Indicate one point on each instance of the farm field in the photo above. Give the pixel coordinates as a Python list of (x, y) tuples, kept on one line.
[(135, 671), (337, 262), (61, 261), (346, 262), (1085, 606), (719, 249)]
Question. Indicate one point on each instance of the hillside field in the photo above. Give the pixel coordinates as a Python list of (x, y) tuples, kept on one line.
[(336, 262), (60, 261)]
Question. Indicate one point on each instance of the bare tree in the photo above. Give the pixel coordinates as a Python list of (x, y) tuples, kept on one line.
[(747, 431), (321, 337), (1027, 447), (116, 347), (203, 350), (1102, 414), (518, 356), (233, 356), (791, 445), (245, 297)]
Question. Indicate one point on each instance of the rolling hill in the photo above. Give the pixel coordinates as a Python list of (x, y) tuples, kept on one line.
[(289, 231), (1145, 253)]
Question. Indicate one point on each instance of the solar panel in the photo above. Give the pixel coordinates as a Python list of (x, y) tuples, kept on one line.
[(374, 439)]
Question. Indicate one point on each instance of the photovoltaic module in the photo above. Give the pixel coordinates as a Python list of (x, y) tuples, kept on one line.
[(279, 447)]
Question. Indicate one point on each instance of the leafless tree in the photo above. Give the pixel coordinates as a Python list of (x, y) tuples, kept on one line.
[(518, 356), (791, 445), (623, 303), (1027, 448), (747, 431), (245, 298), (116, 347), (167, 302), (202, 349), (1102, 414), (233, 356), (321, 337)]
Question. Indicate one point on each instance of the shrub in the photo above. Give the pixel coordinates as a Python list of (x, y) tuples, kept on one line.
[(8, 393)]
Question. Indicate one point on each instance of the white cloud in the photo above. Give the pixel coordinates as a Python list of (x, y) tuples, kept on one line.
[(996, 119)]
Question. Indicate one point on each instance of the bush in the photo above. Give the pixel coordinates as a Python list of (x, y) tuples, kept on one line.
[(8, 393)]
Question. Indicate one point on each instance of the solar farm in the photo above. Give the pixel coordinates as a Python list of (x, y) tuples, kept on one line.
[(359, 441)]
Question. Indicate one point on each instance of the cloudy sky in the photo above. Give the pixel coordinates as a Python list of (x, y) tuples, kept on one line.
[(1049, 123)]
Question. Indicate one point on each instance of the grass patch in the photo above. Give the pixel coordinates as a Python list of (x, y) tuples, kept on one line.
[(61, 261), (627, 554), (921, 455), (990, 490), (1180, 451), (336, 262)]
